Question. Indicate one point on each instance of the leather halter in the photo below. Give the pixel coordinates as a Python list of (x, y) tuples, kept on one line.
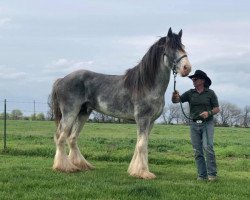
[(176, 61)]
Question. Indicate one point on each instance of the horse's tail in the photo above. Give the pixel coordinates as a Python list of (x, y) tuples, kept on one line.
[(55, 104)]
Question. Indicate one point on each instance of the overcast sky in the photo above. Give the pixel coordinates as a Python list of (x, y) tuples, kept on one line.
[(41, 41)]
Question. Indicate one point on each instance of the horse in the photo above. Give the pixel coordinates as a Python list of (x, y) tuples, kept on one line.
[(136, 95)]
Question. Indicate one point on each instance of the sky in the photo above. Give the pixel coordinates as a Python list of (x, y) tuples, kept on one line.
[(43, 40)]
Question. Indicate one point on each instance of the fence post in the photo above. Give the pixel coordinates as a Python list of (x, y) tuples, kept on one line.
[(5, 118), (34, 104)]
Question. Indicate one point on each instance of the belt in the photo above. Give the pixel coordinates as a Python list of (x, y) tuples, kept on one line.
[(198, 121)]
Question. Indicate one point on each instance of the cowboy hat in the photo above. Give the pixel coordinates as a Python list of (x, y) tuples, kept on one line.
[(202, 75)]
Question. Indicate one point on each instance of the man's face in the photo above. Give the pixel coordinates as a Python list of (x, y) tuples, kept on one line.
[(197, 81)]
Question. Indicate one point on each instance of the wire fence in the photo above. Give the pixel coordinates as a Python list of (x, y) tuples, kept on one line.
[(26, 108), (24, 119), (33, 118), (21, 121)]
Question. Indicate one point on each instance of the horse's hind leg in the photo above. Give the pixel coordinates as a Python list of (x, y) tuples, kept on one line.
[(61, 160), (75, 155)]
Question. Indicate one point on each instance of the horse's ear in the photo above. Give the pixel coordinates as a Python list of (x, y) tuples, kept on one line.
[(180, 33), (170, 33)]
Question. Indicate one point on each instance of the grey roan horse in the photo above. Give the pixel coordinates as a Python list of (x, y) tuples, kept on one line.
[(137, 95)]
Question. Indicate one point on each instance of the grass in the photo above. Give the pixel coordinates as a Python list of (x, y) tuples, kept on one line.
[(25, 167)]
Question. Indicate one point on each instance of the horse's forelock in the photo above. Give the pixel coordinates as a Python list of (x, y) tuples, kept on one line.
[(175, 43)]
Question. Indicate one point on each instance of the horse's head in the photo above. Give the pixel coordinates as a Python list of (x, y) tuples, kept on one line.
[(176, 54)]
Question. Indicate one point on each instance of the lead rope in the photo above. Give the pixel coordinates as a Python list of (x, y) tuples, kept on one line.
[(175, 75)]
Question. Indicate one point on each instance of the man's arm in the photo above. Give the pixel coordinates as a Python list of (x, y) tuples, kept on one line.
[(215, 110), (207, 114)]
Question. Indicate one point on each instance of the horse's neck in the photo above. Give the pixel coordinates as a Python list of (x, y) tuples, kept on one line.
[(162, 79)]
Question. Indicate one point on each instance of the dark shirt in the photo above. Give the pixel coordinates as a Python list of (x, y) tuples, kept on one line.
[(200, 102)]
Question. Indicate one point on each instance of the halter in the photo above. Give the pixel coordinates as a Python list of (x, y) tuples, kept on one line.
[(176, 61)]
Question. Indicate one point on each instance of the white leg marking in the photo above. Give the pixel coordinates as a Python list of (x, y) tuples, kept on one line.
[(139, 164), (61, 161), (75, 155)]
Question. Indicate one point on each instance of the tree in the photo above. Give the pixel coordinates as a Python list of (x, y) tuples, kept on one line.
[(165, 115), (33, 117), (229, 114), (246, 116), (16, 114), (171, 113), (2, 115), (224, 114), (50, 113), (235, 115), (99, 117), (186, 110), (40, 117)]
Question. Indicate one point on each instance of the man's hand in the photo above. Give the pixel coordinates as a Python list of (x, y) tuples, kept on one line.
[(204, 114), (175, 97)]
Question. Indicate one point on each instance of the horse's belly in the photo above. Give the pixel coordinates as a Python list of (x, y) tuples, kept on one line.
[(119, 109)]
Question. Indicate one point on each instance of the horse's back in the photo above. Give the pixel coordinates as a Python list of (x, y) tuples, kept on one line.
[(104, 93)]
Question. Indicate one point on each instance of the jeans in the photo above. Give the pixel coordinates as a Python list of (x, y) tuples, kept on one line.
[(202, 136)]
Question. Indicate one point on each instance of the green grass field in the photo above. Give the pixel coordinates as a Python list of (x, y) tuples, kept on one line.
[(26, 167)]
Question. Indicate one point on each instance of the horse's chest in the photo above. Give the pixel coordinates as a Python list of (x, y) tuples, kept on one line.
[(150, 106), (158, 105)]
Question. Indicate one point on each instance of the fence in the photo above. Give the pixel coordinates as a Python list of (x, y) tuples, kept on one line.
[(35, 113), (27, 111), (21, 120), (26, 107)]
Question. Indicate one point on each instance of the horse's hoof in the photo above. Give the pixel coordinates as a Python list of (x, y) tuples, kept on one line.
[(84, 166), (148, 175), (68, 169), (143, 175)]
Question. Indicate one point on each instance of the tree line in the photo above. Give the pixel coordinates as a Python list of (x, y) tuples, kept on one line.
[(229, 115), (17, 114)]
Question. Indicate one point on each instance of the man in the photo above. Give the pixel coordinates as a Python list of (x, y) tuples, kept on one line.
[(203, 105)]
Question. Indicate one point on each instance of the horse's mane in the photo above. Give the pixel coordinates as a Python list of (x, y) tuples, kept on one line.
[(144, 74)]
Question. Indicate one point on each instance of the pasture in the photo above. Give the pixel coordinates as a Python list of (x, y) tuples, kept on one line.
[(26, 167)]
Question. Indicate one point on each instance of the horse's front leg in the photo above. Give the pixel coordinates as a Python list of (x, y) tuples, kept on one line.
[(139, 164)]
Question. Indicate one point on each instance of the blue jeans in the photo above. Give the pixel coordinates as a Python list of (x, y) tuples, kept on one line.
[(202, 136)]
